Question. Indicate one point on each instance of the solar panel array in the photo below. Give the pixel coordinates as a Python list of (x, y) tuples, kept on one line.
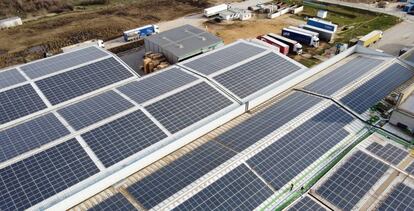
[(375, 89), (346, 187), (10, 77), (94, 109), (79, 81), (156, 85), (401, 198), (266, 121), (223, 58), (343, 75), (61, 62), (255, 75), (115, 202), (284, 159), (306, 203), (388, 152), (240, 189), (30, 135), (410, 168), (167, 181), (19, 102), (30, 181), (123, 137), (191, 105)]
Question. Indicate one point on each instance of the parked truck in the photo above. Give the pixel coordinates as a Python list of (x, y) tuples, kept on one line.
[(283, 48), (140, 32), (294, 46), (316, 34), (324, 34), (302, 37), (215, 10), (370, 38), (85, 44), (322, 24)]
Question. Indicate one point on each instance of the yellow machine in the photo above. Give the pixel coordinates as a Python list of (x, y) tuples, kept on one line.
[(370, 38)]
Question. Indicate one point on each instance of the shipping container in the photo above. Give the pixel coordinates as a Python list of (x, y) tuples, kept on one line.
[(370, 38), (294, 46), (322, 24), (140, 32), (215, 10), (301, 37), (324, 34), (296, 9), (283, 48)]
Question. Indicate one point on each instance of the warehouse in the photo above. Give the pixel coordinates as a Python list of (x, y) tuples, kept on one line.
[(182, 43)]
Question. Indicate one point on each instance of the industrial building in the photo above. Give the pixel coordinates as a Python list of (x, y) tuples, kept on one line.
[(403, 114), (182, 43), (10, 22), (239, 127)]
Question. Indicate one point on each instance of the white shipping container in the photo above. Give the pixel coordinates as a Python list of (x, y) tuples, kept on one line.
[(215, 10), (322, 14), (10, 22)]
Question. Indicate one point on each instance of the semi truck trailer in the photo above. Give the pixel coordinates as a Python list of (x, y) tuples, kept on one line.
[(370, 38), (316, 34), (140, 32), (322, 24), (304, 38), (294, 46), (211, 11), (324, 34), (283, 48)]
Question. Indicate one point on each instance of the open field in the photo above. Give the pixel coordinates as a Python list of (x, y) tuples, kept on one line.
[(49, 33)]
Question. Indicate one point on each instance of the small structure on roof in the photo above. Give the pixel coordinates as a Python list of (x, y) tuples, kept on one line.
[(10, 22), (182, 43), (403, 115)]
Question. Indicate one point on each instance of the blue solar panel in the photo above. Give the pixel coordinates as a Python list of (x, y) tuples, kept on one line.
[(371, 92), (82, 80), (94, 109), (115, 202), (34, 179), (189, 106), (267, 121), (10, 77), (290, 155), (346, 187), (240, 189), (401, 198), (410, 168), (257, 74), (155, 85), (343, 75), (170, 179), (18, 102), (388, 152), (61, 62), (123, 137), (30, 135), (306, 204)]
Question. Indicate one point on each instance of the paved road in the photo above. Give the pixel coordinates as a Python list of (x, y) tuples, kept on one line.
[(194, 19)]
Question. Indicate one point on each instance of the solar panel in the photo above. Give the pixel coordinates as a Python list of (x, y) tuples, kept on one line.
[(343, 75), (410, 168), (156, 85), (94, 109), (306, 203), (115, 202), (170, 179), (30, 135), (19, 102), (79, 81), (401, 198), (367, 95), (61, 62), (240, 189), (10, 77), (287, 157), (223, 58), (255, 75), (191, 105), (348, 185), (43, 175), (388, 152), (266, 121), (123, 137)]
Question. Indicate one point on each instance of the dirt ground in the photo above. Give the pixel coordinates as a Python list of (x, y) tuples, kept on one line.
[(234, 30)]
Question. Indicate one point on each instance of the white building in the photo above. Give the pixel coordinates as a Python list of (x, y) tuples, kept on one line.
[(322, 14), (10, 22)]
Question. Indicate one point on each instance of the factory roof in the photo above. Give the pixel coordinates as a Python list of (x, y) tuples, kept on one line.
[(184, 40)]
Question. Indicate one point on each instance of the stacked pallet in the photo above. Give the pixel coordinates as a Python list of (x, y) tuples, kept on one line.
[(154, 62)]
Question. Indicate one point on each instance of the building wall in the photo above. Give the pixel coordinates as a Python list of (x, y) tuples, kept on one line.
[(402, 118)]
